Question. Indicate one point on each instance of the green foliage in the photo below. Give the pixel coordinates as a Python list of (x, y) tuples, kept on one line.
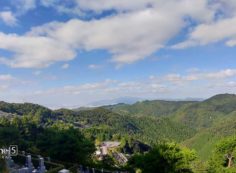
[(24, 109), (103, 124), (59, 141), (107, 162), (205, 140), (198, 125), (133, 146), (157, 108), (205, 114), (165, 158), (9, 136), (223, 152), (67, 144)]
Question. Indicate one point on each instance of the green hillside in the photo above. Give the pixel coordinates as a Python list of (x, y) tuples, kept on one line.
[(105, 124), (157, 108), (198, 125), (205, 140), (211, 119), (204, 114)]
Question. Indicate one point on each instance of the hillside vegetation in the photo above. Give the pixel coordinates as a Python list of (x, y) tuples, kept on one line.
[(211, 119), (197, 125), (157, 108)]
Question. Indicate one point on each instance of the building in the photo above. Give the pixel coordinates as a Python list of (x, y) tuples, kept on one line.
[(105, 147)]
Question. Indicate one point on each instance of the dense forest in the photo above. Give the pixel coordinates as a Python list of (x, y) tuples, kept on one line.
[(183, 136)]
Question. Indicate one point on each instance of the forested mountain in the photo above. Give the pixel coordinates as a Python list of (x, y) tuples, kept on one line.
[(207, 138), (25, 108), (204, 114), (148, 120), (197, 125), (157, 108), (105, 124), (211, 119)]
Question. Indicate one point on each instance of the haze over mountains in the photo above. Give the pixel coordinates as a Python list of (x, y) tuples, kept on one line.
[(197, 124)]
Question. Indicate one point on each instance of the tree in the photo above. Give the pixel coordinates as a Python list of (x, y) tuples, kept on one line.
[(223, 156), (65, 145), (165, 158), (9, 136)]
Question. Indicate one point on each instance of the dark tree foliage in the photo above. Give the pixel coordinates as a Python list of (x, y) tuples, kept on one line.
[(9, 136), (3, 168), (60, 142), (69, 145)]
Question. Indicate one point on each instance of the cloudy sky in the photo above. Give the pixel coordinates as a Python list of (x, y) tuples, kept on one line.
[(68, 53)]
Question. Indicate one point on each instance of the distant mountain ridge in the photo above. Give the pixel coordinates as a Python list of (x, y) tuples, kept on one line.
[(125, 100), (158, 108)]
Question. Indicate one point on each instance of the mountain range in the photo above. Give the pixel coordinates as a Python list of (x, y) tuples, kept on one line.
[(196, 124)]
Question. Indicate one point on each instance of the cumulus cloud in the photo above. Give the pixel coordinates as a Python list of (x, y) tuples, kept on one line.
[(197, 9), (129, 37), (203, 34), (32, 51), (8, 18), (136, 31)]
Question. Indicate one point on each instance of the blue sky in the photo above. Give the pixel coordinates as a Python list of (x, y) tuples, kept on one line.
[(73, 53)]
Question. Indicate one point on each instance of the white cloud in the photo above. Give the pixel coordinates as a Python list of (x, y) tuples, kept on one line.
[(62, 6), (94, 66), (119, 5), (129, 37), (231, 43), (8, 18), (24, 6), (221, 74), (197, 9), (198, 75), (8, 82), (6, 77), (144, 28), (203, 34), (65, 66), (36, 52)]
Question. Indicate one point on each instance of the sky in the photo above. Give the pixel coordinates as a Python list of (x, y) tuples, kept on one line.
[(71, 53)]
